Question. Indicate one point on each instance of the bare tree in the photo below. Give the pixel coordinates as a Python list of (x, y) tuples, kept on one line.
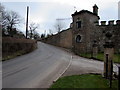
[(50, 32), (2, 15), (2, 11), (12, 18), (59, 25), (9, 20), (33, 27), (36, 36), (1, 7), (42, 36)]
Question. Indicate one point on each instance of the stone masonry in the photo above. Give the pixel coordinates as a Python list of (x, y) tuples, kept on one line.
[(84, 30)]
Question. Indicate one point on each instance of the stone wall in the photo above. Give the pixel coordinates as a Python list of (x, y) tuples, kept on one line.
[(66, 39), (62, 39), (103, 29)]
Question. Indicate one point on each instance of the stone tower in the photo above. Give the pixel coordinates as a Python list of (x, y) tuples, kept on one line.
[(83, 30), (95, 9)]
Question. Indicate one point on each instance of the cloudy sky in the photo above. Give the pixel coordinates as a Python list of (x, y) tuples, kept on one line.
[(45, 12)]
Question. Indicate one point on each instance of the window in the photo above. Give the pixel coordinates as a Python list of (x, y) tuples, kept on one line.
[(78, 23), (78, 38)]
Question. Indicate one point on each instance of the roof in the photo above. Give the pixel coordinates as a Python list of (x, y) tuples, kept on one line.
[(84, 11)]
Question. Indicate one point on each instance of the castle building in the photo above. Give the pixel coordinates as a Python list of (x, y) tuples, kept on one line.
[(85, 30)]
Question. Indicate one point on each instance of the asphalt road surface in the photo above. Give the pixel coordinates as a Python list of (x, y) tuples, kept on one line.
[(39, 68), (35, 70), (82, 65)]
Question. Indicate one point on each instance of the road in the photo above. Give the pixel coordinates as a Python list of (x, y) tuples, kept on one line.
[(35, 70), (82, 65), (39, 68)]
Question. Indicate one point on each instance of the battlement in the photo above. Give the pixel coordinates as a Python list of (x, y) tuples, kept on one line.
[(110, 23), (118, 22), (103, 22)]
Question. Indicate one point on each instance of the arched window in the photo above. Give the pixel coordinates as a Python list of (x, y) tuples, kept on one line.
[(78, 38)]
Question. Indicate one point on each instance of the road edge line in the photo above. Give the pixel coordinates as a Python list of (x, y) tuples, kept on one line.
[(64, 70)]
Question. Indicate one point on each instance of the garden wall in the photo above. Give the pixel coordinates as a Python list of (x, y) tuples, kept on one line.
[(62, 39)]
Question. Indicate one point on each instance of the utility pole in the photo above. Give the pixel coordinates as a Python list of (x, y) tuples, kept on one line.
[(27, 22)]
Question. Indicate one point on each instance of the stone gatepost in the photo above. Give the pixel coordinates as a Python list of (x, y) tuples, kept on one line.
[(108, 56), (95, 49)]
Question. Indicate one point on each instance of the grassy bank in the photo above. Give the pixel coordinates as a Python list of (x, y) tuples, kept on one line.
[(84, 81), (100, 56)]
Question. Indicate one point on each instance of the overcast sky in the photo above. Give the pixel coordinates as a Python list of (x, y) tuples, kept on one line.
[(45, 12)]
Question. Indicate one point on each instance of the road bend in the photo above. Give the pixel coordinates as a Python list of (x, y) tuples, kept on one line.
[(41, 67), (37, 69)]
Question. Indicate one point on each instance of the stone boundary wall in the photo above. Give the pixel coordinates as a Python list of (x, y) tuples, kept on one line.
[(62, 39), (108, 23), (114, 29)]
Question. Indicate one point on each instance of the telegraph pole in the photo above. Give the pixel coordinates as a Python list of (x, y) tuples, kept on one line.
[(27, 22)]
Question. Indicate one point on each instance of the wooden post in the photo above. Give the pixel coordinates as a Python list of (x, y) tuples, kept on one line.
[(118, 77), (27, 22), (108, 56), (106, 67), (111, 73)]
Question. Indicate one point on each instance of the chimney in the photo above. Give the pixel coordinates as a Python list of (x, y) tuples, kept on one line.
[(95, 9)]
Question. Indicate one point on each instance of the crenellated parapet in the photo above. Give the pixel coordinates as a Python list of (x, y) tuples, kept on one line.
[(118, 22), (103, 22), (110, 23)]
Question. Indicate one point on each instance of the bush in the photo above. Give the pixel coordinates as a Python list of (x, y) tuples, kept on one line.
[(10, 46)]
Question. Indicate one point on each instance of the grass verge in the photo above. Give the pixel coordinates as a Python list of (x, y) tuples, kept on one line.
[(18, 53), (100, 56), (84, 81)]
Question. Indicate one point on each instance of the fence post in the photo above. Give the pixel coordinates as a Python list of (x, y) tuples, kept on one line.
[(111, 72), (118, 77), (106, 68)]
